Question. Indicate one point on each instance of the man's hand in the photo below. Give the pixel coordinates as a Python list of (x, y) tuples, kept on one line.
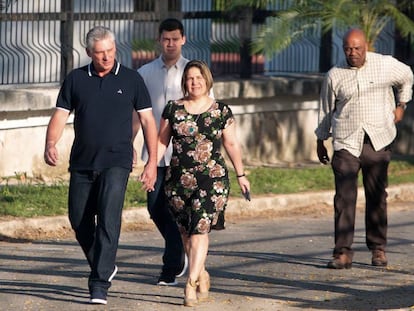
[(399, 112), (148, 177), (322, 152), (51, 154)]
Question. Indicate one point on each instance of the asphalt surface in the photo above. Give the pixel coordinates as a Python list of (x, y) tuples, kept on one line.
[(273, 263)]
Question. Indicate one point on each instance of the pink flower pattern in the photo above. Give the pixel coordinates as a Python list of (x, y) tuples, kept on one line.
[(197, 183)]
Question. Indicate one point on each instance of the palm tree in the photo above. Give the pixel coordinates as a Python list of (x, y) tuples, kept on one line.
[(300, 17)]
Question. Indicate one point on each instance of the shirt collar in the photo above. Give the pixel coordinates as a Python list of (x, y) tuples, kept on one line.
[(181, 62), (367, 56), (114, 70)]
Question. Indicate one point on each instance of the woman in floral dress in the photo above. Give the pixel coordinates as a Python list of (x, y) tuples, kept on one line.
[(197, 182)]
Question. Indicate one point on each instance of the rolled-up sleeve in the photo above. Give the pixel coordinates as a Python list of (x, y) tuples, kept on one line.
[(403, 80)]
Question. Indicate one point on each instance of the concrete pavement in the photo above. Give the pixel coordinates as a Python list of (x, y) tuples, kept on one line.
[(271, 259), (266, 264)]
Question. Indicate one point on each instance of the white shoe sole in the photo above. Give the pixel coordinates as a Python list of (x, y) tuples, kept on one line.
[(162, 283), (184, 268), (98, 301), (113, 273)]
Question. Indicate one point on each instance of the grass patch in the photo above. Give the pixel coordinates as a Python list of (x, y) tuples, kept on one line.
[(30, 199)]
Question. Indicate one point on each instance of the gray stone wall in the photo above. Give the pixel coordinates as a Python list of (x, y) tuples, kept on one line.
[(276, 118)]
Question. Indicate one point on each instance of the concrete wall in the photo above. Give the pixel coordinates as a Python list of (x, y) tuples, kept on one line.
[(276, 117)]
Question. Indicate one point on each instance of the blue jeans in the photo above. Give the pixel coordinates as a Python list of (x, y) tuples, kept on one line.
[(160, 213), (96, 199)]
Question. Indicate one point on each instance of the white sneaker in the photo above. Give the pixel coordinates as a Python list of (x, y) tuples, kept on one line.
[(98, 296), (167, 280), (184, 267)]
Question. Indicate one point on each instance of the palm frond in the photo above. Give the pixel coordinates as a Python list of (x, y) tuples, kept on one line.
[(403, 23), (302, 16), (280, 33)]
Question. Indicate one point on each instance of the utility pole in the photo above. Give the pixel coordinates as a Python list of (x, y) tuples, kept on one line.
[(245, 30), (325, 52), (66, 38)]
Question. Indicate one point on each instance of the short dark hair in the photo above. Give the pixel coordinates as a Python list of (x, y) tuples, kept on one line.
[(171, 24)]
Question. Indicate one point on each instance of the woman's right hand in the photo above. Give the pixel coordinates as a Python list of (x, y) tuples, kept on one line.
[(244, 186)]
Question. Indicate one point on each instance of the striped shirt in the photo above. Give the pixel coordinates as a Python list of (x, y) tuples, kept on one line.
[(359, 101)]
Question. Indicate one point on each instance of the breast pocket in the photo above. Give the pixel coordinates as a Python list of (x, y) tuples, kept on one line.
[(347, 91)]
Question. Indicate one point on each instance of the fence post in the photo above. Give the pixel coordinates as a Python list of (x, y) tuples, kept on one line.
[(66, 38), (325, 52), (245, 29)]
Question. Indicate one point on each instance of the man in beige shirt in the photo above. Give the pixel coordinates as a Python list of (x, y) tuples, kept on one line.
[(358, 110)]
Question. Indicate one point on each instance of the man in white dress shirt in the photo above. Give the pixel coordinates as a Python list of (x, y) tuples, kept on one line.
[(162, 77)]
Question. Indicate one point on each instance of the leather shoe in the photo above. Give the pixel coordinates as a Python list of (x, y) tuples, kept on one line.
[(340, 261), (378, 258)]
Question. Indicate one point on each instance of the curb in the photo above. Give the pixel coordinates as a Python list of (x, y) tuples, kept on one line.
[(236, 208)]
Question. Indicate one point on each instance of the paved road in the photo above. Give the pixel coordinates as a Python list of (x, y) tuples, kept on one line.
[(266, 265)]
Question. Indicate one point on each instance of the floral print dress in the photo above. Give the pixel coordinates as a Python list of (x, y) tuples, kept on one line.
[(197, 183)]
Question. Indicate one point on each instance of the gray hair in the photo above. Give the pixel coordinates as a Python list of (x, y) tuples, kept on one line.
[(98, 33)]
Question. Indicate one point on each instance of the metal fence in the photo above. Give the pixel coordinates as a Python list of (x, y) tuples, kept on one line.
[(29, 44), (41, 40)]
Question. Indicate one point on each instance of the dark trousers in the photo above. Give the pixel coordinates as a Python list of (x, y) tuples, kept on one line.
[(96, 200), (161, 215), (374, 167)]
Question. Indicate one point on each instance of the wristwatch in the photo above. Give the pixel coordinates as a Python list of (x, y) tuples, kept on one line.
[(402, 105)]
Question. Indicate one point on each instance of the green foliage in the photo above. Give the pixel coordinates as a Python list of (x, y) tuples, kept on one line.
[(257, 4), (228, 46), (144, 45), (30, 200), (219, 5), (302, 16)]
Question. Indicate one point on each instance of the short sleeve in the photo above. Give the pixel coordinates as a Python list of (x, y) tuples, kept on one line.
[(143, 98), (167, 112), (64, 99), (227, 115)]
